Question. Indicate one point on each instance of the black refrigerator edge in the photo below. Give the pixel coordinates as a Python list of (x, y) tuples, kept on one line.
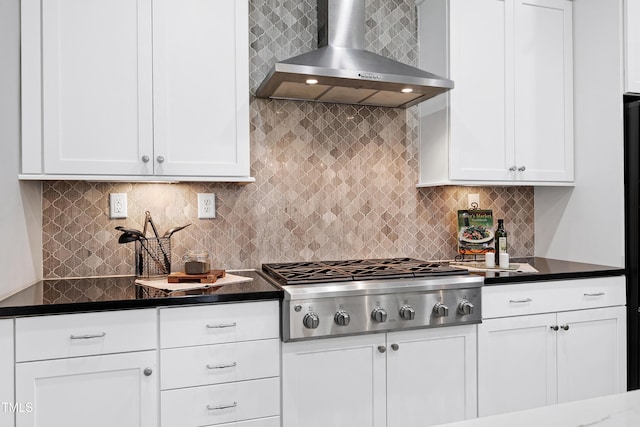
[(632, 233)]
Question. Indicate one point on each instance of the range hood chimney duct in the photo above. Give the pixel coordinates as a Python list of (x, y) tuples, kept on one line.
[(342, 71)]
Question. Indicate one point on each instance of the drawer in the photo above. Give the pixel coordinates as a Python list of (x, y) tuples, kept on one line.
[(218, 323), (219, 363), (552, 296), (262, 422), (224, 403), (85, 334)]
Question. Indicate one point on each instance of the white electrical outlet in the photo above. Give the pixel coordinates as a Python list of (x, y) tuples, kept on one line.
[(474, 201), (206, 205), (118, 205)]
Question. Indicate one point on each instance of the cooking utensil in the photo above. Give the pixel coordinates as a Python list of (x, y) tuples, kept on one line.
[(126, 237), (132, 235), (167, 262), (131, 231), (170, 231)]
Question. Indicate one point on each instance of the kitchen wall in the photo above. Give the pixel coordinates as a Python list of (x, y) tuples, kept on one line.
[(332, 181), (20, 203), (586, 223)]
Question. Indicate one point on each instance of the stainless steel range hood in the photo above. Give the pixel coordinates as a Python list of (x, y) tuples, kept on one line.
[(342, 71)]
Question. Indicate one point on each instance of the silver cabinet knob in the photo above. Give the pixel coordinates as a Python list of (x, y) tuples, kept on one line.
[(382, 348), (565, 327), (407, 312), (379, 315), (395, 347), (342, 318), (160, 159), (465, 308), (513, 168), (145, 159), (522, 169), (311, 320), (440, 310), (147, 372)]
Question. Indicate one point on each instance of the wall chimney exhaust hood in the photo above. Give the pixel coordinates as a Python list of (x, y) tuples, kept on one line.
[(342, 71)]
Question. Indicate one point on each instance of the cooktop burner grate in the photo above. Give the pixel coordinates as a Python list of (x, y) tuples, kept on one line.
[(297, 273)]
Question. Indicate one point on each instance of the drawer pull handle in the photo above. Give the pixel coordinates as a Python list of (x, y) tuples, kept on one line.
[(222, 325), (219, 407), (520, 301), (554, 327), (228, 365), (597, 294), (87, 337)]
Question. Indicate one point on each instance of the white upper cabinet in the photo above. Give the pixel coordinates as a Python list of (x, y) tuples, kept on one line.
[(201, 87), (135, 90), (632, 46), (509, 118)]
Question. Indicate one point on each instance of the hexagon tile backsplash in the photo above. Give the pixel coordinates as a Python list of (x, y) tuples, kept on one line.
[(326, 188), (332, 181)]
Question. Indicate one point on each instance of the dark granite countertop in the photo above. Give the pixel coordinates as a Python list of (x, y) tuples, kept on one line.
[(550, 269), (54, 296)]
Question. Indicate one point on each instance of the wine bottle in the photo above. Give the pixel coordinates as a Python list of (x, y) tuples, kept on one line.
[(500, 238)]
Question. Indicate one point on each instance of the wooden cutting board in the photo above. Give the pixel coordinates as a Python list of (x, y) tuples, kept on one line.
[(182, 277)]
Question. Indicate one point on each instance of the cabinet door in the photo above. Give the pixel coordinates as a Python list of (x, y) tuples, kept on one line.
[(591, 353), (338, 382), (632, 45), (516, 363), (96, 86), (6, 373), (201, 87), (480, 59), (431, 376), (98, 391), (543, 90)]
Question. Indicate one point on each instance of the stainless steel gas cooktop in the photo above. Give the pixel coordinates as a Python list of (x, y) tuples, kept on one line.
[(334, 298)]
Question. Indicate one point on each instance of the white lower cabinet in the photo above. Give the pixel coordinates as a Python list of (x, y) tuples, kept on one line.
[(546, 355), (517, 363), (8, 405), (421, 377), (220, 365), (97, 369), (100, 391), (334, 382), (591, 353)]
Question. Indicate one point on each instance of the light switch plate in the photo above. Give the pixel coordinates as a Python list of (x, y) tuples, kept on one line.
[(206, 205), (117, 205)]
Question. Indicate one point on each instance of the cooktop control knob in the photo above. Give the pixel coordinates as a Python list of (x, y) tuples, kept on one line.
[(311, 320), (379, 315), (440, 310), (465, 308), (407, 312), (342, 318)]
